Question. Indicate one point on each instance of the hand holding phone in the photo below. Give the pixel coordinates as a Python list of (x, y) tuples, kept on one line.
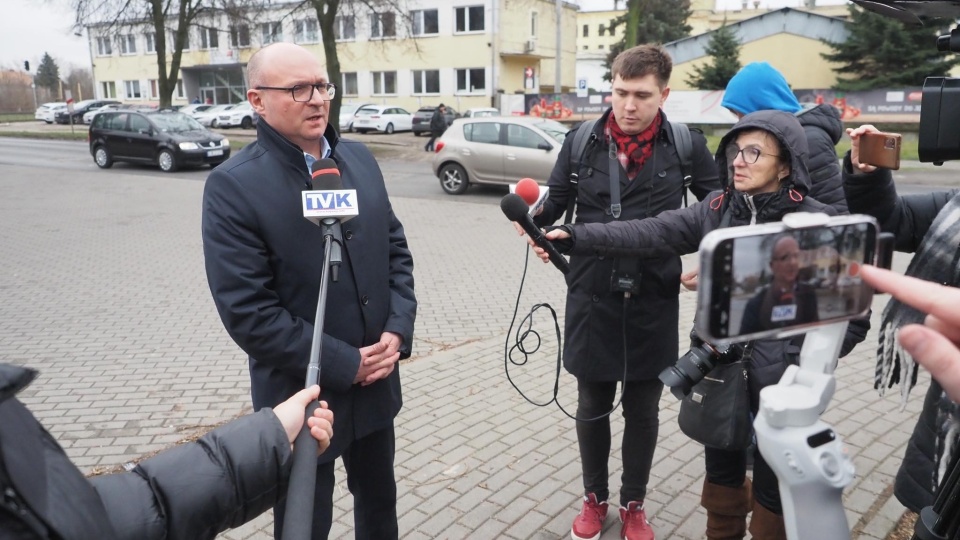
[(880, 149)]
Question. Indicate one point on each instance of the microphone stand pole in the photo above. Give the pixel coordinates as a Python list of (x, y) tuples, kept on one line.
[(298, 514)]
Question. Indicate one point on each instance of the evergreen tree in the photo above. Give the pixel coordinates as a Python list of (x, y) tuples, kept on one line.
[(724, 49), (48, 74), (882, 53), (655, 21)]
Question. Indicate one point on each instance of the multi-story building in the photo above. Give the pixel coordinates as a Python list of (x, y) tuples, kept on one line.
[(466, 53)]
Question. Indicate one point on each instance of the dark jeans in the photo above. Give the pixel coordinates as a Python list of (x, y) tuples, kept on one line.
[(729, 468), (434, 135), (640, 409), (369, 465)]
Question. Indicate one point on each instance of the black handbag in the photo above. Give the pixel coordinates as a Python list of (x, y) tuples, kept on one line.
[(716, 412)]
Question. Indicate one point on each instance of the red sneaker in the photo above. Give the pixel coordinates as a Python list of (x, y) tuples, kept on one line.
[(635, 525), (589, 523)]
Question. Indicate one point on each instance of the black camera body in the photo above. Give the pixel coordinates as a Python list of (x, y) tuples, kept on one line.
[(694, 365)]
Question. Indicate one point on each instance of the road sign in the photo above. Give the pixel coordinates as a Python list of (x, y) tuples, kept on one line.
[(582, 88), (69, 96)]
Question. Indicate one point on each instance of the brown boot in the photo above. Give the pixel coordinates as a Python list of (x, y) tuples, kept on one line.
[(727, 510), (766, 525)]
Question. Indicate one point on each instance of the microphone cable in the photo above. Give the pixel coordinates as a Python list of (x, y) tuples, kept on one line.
[(522, 346)]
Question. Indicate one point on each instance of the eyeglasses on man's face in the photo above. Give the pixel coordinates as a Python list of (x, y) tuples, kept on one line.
[(750, 154), (304, 92)]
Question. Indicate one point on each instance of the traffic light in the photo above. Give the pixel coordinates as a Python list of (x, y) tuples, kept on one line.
[(26, 65)]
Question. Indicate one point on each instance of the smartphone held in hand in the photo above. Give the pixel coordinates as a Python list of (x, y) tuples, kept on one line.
[(881, 150)]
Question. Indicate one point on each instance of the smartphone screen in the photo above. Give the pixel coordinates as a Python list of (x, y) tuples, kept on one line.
[(766, 281)]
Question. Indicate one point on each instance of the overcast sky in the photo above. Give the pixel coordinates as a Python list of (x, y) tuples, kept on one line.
[(29, 28)]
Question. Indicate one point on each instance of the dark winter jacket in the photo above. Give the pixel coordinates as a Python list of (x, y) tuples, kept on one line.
[(438, 122), (595, 315), (680, 232), (758, 86), (908, 217), (193, 491), (264, 263)]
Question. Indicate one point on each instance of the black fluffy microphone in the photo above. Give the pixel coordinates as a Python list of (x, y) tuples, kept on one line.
[(516, 209)]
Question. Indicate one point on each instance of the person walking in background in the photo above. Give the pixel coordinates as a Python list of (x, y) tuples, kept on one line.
[(758, 86), (764, 173), (438, 124), (606, 330), (264, 263)]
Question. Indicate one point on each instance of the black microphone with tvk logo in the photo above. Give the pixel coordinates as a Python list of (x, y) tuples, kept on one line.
[(328, 204), (516, 209)]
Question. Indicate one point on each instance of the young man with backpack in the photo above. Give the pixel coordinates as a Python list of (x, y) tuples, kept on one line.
[(622, 314)]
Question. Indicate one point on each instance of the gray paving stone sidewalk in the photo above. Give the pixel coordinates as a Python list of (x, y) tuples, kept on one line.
[(107, 298)]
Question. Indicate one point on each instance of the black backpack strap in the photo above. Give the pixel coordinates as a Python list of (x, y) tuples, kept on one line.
[(580, 139), (684, 146)]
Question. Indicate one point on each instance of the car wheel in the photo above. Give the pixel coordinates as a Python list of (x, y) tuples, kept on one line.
[(102, 157), (453, 179), (246, 123), (167, 161), (389, 129), (214, 123), (416, 133), (362, 131), (350, 127)]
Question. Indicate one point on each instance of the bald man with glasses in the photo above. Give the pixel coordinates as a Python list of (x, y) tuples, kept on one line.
[(786, 301), (264, 263)]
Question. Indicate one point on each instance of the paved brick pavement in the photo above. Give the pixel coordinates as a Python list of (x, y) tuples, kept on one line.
[(104, 293)]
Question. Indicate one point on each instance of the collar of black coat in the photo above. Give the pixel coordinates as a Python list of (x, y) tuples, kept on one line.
[(14, 379), (272, 141), (770, 206)]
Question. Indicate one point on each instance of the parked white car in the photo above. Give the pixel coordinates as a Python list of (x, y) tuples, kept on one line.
[(348, 112), (47, 111), (210, 117), (88, 116), (193, 108), (241, 115), (480, 112), (385, 118)]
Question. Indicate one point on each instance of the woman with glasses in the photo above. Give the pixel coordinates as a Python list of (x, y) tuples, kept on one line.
[(762, 162)]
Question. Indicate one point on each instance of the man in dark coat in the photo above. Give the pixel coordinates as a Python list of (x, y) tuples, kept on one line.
[(928, 225), (764, 174), (244, 465), (264, 264), (438, 124), (758, 86), (786, 301), (601, 319)]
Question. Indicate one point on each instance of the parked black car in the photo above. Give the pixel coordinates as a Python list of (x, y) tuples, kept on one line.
[(421, 118), (80, 108), (165, 138)]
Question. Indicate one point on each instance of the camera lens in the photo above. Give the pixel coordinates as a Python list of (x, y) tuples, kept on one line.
[(689, 370)]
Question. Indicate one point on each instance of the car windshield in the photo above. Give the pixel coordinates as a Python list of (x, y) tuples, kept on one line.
[(367, 112), (553, 128), (175, 122)]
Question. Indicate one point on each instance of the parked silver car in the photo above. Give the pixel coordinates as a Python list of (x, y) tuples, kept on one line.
[(497, 150)]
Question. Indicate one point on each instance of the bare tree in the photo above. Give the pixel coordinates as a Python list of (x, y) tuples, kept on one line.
[(80, 81)]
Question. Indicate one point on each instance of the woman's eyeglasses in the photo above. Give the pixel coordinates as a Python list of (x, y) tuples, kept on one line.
[(750, 154)]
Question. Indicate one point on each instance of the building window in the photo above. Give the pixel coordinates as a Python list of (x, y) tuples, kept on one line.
[(600, 46), (384, 82), (154, 89), (601, 30), (425, 22), (209, 38), (469, 19), (172, 40), (471, 80), (585, 47), (104, 47), (180, 94), (586, 30), (240, 36), (270, 32), (132, 89), (534, 16), (426, 82), (151, 39), (350, 84), (383, 25), (306, 31), (108, 90), (128, 44), (345, 27), (612, 30)]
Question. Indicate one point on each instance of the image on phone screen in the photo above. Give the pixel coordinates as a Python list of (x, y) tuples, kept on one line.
[(766, 283)]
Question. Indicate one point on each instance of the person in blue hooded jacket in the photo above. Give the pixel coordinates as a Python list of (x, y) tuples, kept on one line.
[(759, 86)]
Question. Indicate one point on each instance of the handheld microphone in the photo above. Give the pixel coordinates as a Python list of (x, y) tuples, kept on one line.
[(516, 210), (328, 199), (532, 193)]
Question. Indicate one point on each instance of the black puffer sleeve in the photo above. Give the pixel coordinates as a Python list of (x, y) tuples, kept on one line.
[(196, 490)]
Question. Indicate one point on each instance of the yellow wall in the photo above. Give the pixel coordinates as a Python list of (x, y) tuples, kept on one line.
[(594, 41), (798, 58)]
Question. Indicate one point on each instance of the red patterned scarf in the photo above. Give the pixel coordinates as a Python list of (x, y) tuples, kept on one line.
[(633, 150)]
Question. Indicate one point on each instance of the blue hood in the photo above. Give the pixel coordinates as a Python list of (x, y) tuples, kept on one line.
[(757, 87)]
